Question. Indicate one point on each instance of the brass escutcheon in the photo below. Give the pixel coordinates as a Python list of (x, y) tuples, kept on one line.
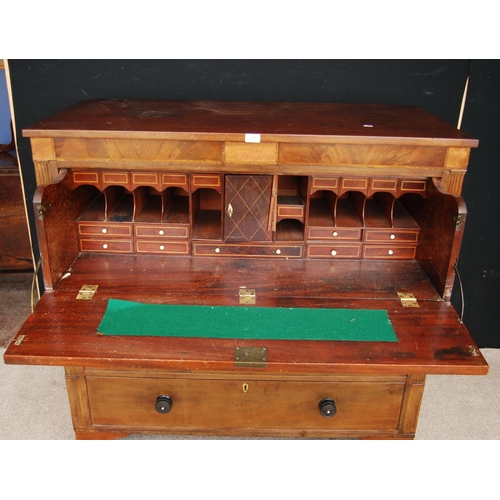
[(245, 388)]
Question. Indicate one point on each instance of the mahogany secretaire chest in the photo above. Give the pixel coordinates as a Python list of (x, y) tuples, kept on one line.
[(318, 217)]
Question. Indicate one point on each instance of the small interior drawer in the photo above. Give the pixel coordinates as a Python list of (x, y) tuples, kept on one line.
[(291, 212), (283, 251), (386, 236), (105, 229), (162, 231), (333, 251), (331, 233), (162, 247), (105, 245), (389, 251)]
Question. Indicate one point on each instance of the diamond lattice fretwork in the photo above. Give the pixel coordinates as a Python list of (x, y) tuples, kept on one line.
[(249, 197)]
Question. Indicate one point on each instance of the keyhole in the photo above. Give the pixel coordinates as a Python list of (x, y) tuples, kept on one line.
[(245, 388)]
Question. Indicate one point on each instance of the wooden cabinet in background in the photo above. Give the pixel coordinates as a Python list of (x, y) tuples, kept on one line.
[(274, 205), (15, 246)]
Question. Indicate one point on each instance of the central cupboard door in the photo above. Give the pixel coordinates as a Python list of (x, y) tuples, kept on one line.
[(247, 207)]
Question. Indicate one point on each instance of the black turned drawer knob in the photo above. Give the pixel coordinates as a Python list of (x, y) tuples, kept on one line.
[(327, 407), (163, 404)]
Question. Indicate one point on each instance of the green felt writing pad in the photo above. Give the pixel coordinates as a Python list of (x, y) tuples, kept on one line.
[(238, 322)]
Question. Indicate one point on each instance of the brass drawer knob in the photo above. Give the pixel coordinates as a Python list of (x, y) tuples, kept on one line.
[(327, 407), (335, 233), (104, 230), (163, 404), (334, 252)]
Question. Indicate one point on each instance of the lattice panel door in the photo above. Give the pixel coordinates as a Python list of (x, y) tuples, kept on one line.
[(248, 202)]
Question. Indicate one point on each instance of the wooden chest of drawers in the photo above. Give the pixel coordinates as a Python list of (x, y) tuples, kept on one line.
[(301, 205), (245, 405)]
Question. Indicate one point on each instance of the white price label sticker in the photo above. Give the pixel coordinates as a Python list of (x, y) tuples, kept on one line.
[(252, 137)]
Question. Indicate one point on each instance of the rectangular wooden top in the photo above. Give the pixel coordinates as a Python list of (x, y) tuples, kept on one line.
[(232, 120)]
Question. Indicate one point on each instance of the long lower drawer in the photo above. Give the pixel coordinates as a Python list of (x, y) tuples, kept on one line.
[(123, 402)]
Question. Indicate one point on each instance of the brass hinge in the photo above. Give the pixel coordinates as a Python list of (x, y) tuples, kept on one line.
[(247, 296), (19, 340), (473, 351), (250, 357), (87, 292), (408, 300), (459, 221), (41, 211)]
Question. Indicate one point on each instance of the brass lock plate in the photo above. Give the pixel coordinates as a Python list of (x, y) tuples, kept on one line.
[(250, 357)]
